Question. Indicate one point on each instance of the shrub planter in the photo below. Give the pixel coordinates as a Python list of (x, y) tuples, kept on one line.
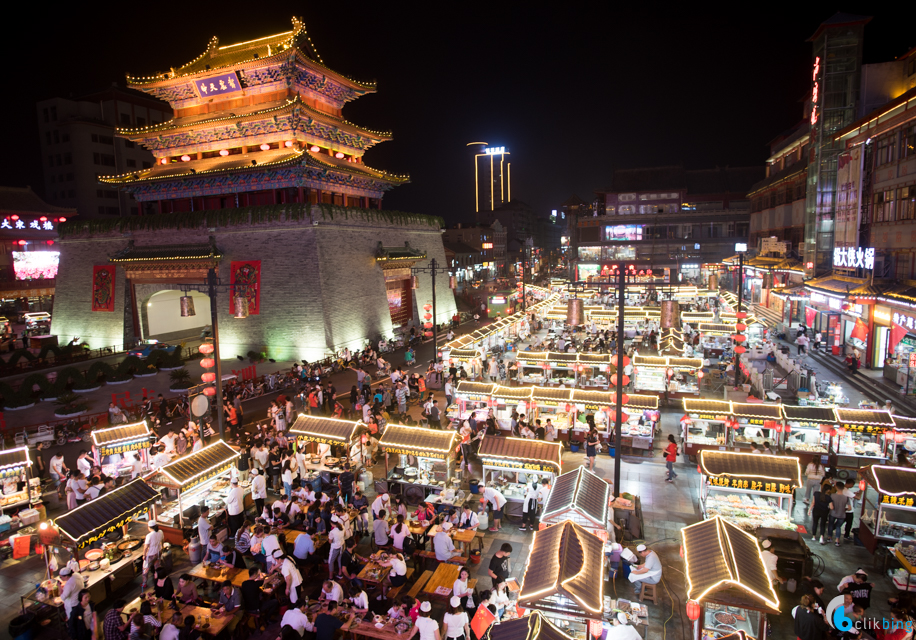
[(54, 399), (171, 368), (146, 375), (183, 390), (88, 390), (25, 406), (67, 415), (119, 381)]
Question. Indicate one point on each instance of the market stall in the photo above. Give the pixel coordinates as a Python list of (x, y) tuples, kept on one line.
[(513, 464), (649, 373), (193, 480), (507, 399), (641, 417), (564, 577), (110, 444), (805, 429), (682, 376), (705, 425), (471, 398), (424, 462), (582, 497), (888, 506), (902, 438), (752, 490), (728, 587), (756, 423), (859, 438), (715, 338), (330, 444), (109, 565), (15, 476)]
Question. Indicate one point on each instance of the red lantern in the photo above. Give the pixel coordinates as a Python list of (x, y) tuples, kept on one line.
[(210, 391), (741, 315), (428, 334), (670, 372), (740, 326), (700, 374), (207, 363), (787, 429), (208, 377), (778, 428), (900, 437), (626, 360), (427, 307), (682, 547), (841, 431), (624, 417), (427, 325), (739, 349), (862, 484), (693, 610), (206, 348), (739, 338), (427, 316), (624, 399)]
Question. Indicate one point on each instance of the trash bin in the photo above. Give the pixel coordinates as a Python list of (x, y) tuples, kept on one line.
[(474, 485), (21, 627)]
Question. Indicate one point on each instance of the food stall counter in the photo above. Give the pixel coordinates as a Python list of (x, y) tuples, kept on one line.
[(860, 437), (333, 444), (704, 425), (806, 427), (752, 490), (513, 464), (15, 472), (110, 445), (726, 575), (425, 460), (757, 424), (888, 506)]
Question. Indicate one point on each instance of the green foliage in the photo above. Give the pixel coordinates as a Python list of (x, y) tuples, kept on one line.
[(180, 379), (173, 359), (71, 403), (156, 357), (129, 366), (9, 398), (98, 373), (20, 354), (50, 348), (26, 389), (253, 355), (291, 212)]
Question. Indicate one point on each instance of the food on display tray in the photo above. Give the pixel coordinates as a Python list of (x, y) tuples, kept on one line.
[(805, 447), (747, 512)]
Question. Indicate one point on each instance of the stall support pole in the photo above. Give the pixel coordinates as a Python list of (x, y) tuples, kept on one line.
[(214, 323), (618, 419), (740, 283)]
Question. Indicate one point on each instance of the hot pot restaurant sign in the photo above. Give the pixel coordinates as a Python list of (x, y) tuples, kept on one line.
[(12, 472), (518, 464), (246, 274), (218, 85), (438, 455), (103, 288), (751, 485), (302, 439), (123, 447)]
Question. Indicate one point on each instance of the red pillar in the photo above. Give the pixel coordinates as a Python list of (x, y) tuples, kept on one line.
[(301, 195)]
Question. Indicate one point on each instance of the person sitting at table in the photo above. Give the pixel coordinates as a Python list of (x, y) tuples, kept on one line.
[(620, 630), (304, 550), (230, 598), (398, 508), (232, 558), (298, 619), (351, 563), (214, 549), (361, 504), (468, 519), (256, 601), (139, 630), (650, 572), (398, 533), (358, 597), (163, 587), (187, 590), (331, 592), (171, 630), (399, 610), (280, 520), (380, 529), (327, 624), (426, 512), (461, 589), (396, 577), (381, 502), (243, 537), (146, 611), (443, 545), (188, 632)]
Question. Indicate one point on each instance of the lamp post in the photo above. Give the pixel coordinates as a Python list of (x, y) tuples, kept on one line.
[(741, 249), (432, 269), (241, 311)]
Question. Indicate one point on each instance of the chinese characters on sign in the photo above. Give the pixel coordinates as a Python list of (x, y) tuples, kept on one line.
[(854, 257), (302, 439), (518, 464), (22, 225), (12, 472), (207, 476), (123, 447), (815, 90), (898, 500), (904, 320), (438, 455), (751, 485), (218, 85), (864, 428)]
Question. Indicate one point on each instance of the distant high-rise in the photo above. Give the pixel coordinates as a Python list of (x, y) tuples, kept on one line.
[(492, 176)]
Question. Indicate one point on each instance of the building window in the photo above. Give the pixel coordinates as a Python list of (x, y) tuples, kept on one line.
[(112, 211), (99, 193), (54, 114), (111, 195), (59, 160), (129, 144), (904, 265), (56, 137), (626, 197), (906, 203), (101, 210), (69, 176), (53, 179), (68, 159), (141, 122), (104, 159), (125, 119), (146, 165), (71, 193), (131, 162), (884, 206), (102, 139), (48, 137), (44, 113), (908, 142), (884, 152)]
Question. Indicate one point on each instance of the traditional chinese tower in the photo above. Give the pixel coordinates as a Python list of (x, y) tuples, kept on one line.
[(255, 123)]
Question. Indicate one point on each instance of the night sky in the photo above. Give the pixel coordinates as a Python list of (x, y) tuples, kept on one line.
[(573, 92)]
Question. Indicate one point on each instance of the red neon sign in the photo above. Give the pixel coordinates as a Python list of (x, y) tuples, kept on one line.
[(815, 91)]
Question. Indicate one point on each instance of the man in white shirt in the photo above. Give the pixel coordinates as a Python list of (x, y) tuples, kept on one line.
[(58, 469), (269, 544), (381, 502), (620, 630), (168, 442), (297, 618), (172, 629), (203, 525), (235, 506), (69, 593), (84, 463), (497, 500), (160, 459), (290, 573), (336, 540), (132, 460), (330, 590), (304, 547), (258, 490), (543, 493), (443, 545)]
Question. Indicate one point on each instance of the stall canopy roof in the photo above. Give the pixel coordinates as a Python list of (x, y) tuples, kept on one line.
[(123, 433), (418, 439), (475, 388), (892, 481), (186, 468), (809, 414), (551, 394), (721, 557), (531, 627), (315, 427), (512, 393), (750, 465), (878, 417), (522, 450), (464, 354), (694, 405), (14, 458), (650, 361), (903, 423), (722, 329), (756, 410), (582, 491), (565, 559), (609, 399), (95, 516)]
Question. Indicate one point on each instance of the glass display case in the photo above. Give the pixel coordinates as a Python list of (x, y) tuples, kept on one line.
[(703, 433), (721, 620), (649, 379), (888, 506)]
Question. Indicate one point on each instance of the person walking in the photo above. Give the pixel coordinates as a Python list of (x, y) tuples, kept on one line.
[(670, 458), (592, 441), (802, 343), (814, 473), (838, 503)]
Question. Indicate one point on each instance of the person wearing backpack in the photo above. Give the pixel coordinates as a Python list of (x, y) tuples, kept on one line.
[(671, 452)]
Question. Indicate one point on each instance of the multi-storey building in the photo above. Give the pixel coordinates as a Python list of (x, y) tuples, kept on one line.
[(79, 143), (492, 176), (489, 244), (665, 217)]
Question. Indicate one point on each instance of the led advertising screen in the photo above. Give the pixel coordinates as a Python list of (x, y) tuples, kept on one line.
[(623, 232), (32, 265)]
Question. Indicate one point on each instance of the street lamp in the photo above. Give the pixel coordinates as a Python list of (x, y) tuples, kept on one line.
[(740, 249), (432, 268), (186, 303)]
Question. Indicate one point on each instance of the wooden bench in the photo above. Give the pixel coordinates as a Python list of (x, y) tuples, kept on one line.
[(393, 592), (431, 555), (419, 584)]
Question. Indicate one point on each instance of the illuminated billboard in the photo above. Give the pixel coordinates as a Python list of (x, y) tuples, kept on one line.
[(33, 265), (623, 232)]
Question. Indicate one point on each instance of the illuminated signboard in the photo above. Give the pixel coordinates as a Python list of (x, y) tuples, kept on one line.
[(487, 245), (497, 299), (494, 151), (854, 257), (30, 265), (623, 232), (815, 90), (752, 485), (218, 85), (41, 224)]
